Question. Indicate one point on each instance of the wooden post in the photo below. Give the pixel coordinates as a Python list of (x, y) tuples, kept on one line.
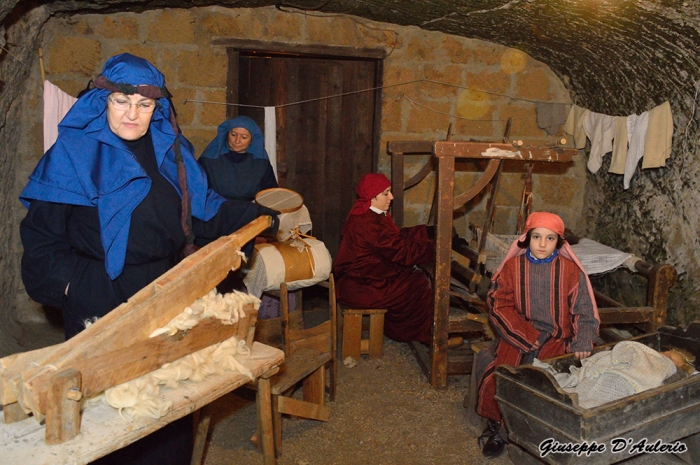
[(63, 406), (443, 259), (661, 278), (200, 438), (397, 161), (265, 429)]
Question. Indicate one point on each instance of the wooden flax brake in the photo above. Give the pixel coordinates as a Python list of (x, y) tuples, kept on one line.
[(117, 347), (444, 153)]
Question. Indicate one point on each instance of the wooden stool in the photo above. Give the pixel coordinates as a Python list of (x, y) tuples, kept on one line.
[(353, 344)]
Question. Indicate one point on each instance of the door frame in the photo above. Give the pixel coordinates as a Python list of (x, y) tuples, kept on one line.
[(234, 46)]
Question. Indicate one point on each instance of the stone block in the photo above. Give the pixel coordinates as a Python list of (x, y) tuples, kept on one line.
[(510, 189), (71, 54), (524, 126), (285, 26), (221, 23), (401, 72), (205, 68), (200, 138), (186, 112), (487, 54), (332, 31), (80, 25), (422, 120), (120, 26), (212, 114), (139, 50), (392, 114), (447, 74), (456, 49), (555, 192), (172, 27), (534, 84), (489, 81), (513, 61)]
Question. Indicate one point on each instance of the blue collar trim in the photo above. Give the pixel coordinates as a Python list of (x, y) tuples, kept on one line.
[(543, 260)]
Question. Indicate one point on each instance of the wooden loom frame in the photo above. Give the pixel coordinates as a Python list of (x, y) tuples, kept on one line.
[(660, 277), (117, 348)]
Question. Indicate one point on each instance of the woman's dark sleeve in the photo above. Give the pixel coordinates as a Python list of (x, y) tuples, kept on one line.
[(48, 262), (232, 216), (268, 180), (203, 165)]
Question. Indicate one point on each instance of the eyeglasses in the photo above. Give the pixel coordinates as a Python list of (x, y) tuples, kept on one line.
[(121, 104)]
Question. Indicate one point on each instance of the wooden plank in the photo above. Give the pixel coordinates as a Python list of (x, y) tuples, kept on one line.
[(476, 150), (298, 366), (103, 431), (397, 186), (376, 335), (314, 386), (300, 49), (413, 147), (14, 412), (616, 315), (299, 408), (352, 334), (12, 365), (266, 433), (167, 297), (443, 241)]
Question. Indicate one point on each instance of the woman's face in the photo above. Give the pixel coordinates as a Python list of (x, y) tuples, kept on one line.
[(383, 200), (129, 115), (239, 139), (543, 241)]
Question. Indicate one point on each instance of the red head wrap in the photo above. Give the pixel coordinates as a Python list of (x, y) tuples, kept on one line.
[(370, 186), (545, 220)]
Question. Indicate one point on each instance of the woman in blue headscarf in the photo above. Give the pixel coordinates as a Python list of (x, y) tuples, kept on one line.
[(236, 162), (118, 199)]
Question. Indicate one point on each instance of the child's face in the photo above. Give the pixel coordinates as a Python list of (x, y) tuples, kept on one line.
[(543, 241)]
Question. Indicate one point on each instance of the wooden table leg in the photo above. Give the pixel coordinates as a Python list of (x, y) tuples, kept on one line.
[(200, 438), (265, 428)]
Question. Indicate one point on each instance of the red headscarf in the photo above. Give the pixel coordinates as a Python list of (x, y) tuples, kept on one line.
[(556, 224), (370, 186)]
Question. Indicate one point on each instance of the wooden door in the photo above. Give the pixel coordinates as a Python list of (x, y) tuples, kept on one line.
[(324, 145)]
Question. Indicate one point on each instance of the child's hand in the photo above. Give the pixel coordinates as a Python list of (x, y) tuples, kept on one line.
[(582, 355)]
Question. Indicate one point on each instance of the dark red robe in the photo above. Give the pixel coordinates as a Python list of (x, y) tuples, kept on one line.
[(375, 268)]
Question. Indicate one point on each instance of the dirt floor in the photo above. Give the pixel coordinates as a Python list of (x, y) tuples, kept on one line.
[(385, 412)]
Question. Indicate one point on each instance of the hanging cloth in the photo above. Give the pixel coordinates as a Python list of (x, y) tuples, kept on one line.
[(636, 134), (657, 146), (271, 137), (574, 125), (56, 105), (619, 153), (600, 129)]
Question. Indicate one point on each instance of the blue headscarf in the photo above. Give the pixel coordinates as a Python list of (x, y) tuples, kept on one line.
[(89, 165), (219, 145)]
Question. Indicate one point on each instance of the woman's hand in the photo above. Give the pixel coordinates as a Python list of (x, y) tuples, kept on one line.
[(582, 355)]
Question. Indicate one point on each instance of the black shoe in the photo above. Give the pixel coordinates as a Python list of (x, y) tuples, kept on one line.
[(490, 441)]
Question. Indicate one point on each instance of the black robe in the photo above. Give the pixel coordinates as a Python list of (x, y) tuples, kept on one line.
[(238, 176)]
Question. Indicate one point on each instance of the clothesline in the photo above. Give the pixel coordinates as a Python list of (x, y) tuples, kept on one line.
[(372, 89)]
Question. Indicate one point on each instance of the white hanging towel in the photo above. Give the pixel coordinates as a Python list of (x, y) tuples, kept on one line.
[(619, 155), (56, 105), (657, 146), (271, 137), (636, 134), (600, 129)]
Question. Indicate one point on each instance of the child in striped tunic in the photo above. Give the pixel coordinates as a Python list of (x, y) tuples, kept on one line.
[(541, 305)]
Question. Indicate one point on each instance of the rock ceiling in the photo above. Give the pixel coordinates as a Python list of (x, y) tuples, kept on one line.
[(609, 52)]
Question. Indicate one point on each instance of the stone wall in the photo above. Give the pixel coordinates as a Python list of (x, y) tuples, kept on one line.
[(178, 42)]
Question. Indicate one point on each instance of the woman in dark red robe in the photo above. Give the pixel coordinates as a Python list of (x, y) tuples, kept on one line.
[(376, 265)]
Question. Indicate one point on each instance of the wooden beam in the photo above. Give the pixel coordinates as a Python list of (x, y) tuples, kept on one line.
[(299, 408), (477, 150)]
